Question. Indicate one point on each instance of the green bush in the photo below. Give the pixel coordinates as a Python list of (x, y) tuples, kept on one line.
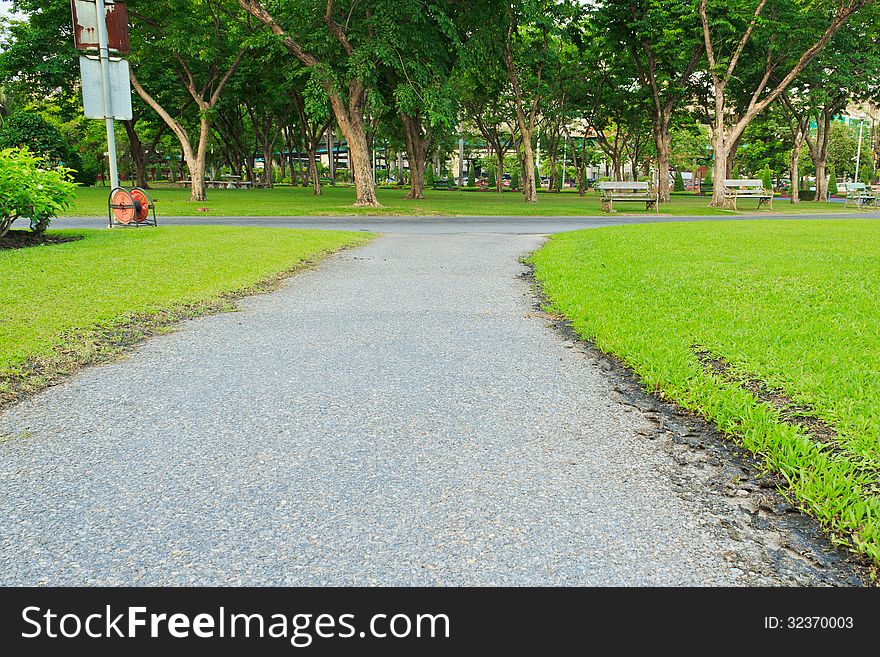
[(430, 176), (514, 179), (29, 191), (493, 181), (832, 180), (708, 179), (767, 177), (471, 181), (678, 185), (85, 168), (866, 175), (30, 130), (807, 194), (557, 185)]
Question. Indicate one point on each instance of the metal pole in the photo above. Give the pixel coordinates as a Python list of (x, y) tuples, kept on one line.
[(104, 53), (564, 144), (461, 161), (859, 151)]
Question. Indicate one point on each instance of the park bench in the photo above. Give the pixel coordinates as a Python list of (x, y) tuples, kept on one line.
[(620, 191), (441, 183), (858, 195), (739, 189)]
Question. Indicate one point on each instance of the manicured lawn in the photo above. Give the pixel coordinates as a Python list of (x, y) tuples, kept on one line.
[(296, 201), (68, 304), (791, 304)]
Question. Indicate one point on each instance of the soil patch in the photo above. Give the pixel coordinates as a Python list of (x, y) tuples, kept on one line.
[(20, 239)]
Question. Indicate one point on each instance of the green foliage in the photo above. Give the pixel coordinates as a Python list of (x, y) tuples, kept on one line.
[(767, 177), (832, 180), (471, 179), (30, 191), (708, 179), (30, 130), (430, 176), (557, 183), (514, 178), (493, 180), (866, 175), (843, 144), (645, 294), (679, 182)]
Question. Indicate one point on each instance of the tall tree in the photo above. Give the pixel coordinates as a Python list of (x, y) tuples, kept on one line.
[(769, 32), (662, 39), (202, 46)]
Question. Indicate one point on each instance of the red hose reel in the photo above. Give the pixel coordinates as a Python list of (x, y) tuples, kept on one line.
[(131, 207)]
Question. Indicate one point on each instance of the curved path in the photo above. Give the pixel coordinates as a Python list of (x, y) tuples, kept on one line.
[(399, 415)]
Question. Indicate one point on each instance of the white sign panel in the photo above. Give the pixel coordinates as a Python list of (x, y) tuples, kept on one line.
[(93, 89)]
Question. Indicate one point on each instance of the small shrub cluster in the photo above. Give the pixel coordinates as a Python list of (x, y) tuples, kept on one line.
[(30, 191)]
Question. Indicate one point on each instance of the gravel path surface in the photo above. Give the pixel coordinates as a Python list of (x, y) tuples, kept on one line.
[(399, 416)]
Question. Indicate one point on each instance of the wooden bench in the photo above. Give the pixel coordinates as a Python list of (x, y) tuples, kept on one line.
[(858, 195), (640, 192), (441, 183), (739, 189)]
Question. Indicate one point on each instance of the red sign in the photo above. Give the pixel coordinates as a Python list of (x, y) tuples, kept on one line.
[(85, 25)]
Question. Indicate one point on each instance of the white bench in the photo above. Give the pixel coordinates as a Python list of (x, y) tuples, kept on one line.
[(613, 190), (858, 195), (739, 189)]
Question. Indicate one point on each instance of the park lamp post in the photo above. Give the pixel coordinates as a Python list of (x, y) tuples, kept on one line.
[(859, 149)]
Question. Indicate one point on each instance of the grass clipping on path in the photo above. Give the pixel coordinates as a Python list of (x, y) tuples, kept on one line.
[(769, 329), (67, 305)]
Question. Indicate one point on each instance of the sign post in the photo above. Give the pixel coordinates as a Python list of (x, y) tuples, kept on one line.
[(104, 54), (102, 25)]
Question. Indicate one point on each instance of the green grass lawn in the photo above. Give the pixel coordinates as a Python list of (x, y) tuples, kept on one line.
[(69, 304), (791, 304), (297, 201)]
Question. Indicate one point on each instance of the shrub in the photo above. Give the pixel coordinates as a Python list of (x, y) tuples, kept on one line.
[(471, 181), (866, 175), (31, 192), (767, 177), (30, 130), (557, 184), (708, 179), (678, 185), (832, 180), (493, 181), (807, 194), (514, 179)]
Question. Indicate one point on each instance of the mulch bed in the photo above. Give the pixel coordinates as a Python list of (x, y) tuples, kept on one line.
[(20, 239)]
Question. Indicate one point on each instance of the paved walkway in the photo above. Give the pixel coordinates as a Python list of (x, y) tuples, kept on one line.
[(398, 415)]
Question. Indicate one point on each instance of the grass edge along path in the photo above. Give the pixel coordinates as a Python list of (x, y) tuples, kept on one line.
[(338, 201), (615, 284), (108, 338)]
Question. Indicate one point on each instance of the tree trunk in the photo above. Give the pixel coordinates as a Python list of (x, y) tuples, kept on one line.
[(417, 147), (530, 189), (313, 172), (138, 155), (719, 170), (795, 174), (499, 161), (664, 151), (359, 162), (821, 167)]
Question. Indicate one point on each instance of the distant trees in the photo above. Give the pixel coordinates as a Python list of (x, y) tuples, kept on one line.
[(645, 86)]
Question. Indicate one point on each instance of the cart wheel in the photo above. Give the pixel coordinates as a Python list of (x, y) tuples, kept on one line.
[(144, 201), (125, 208)]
